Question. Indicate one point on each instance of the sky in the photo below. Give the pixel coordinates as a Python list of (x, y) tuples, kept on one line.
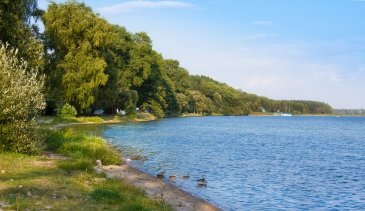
[(281, 49)]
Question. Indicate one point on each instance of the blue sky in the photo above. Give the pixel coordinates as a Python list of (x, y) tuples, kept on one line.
[(282, 49)]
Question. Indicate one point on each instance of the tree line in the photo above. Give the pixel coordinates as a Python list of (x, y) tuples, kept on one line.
[(350, 112), (92, 64)]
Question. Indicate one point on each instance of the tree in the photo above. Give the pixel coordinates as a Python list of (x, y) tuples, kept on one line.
[(83, 74), (21, 100), (16, 30), (157, 92), (116, 55), (76, 37), (183, 102), (178, 75), (199, 103), (127, 100), (141, 58)]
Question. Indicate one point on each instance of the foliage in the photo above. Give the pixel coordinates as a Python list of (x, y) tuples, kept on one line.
[(178, 75), (67, 111), (128, 101), (21, 94), (16, 30), (199, 103), (75, 40)]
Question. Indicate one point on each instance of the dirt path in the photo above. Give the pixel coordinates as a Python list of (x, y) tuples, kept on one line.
[(156, 188)]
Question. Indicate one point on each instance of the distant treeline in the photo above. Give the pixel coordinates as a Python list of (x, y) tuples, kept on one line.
[(352, 112), (92, 64)]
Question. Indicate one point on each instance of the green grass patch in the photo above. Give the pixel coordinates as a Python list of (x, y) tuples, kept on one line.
[(83, 119), (114, 191), (81, 146), (93, 119), (39, 183), (76, 164)]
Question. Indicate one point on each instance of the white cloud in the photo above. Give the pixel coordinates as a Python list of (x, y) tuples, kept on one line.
[(262, 23), (261, 36), (137, 5)]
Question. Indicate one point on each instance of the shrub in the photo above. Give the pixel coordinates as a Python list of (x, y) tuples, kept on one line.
[(21, 100), (67, 111)]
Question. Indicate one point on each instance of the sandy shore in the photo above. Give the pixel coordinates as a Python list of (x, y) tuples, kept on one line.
[(157, 188)]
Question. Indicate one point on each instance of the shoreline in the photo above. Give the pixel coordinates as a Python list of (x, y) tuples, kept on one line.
[(177, 198), (155, 188)]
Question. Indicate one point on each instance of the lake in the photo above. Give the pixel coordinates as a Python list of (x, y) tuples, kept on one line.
[(255, 163)]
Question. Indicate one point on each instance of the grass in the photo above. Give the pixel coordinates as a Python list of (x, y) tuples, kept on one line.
[(40, 183), (81, 146), (92, 119), (36, 183), (50, 121)]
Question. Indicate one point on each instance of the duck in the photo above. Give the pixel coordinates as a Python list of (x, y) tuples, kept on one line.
[(161, 175), (202, 182), (185, 177), (202, 179), (172, 177)]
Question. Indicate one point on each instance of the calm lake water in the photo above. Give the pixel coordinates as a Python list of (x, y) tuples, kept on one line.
[(255, 163)]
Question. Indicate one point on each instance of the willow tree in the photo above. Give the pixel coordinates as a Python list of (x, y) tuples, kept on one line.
[(75, 36)]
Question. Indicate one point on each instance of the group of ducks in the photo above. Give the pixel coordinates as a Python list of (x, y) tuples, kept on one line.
[(202, 182)]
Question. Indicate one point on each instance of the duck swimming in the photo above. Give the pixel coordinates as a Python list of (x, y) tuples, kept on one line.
[(161, 175), (202, 179), (172, 177), (185, 177), (202, 182)]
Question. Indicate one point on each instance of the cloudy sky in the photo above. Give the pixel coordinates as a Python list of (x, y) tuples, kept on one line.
[(282, 49)]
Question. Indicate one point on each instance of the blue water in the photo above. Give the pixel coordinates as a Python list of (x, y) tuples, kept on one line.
[(256, 163)]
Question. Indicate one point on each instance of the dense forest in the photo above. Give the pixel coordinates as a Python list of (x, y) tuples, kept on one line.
[(92, 64)]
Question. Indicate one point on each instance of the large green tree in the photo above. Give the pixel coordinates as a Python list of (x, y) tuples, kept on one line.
[(157, 92), (75, 37)]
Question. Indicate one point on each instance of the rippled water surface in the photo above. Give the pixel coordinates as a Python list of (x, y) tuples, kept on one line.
[(255, 163)]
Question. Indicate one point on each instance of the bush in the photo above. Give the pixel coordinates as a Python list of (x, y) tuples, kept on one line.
[(21, 100), (67, 111)]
